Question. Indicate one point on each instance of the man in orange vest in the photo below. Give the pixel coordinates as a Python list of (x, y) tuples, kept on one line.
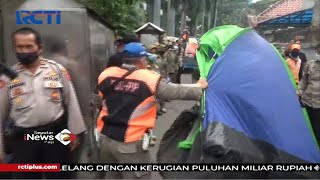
[(294, 62), (129, 108)]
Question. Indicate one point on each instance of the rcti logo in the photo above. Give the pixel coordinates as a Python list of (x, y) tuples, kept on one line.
[(65, 137), (34, 17)]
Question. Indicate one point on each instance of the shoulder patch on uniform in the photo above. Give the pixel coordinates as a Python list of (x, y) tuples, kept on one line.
[(18, 67), (16, 81), (51, 61), (62, 68), (52, 74), (43, 62), (2, 83), (65, 72)]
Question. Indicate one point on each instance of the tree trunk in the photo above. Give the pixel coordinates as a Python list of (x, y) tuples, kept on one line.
[(183, 16), (150, 10), (316, 14), (156, 12), (172, 21), (216, 6), (209, 20), (196, 23), (211, 14), (203, 16), (170, 18), (168, 14)]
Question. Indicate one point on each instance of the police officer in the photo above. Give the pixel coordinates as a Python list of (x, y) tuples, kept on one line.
[(129, 108), (309, 91), (41, 102)]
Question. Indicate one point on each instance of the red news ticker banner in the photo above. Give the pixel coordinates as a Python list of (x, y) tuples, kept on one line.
[(29, 167)]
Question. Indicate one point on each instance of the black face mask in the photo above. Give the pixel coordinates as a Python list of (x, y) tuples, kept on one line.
[(294, 54), (27, 58)]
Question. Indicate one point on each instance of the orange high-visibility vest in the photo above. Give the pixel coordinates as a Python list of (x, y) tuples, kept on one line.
[(130, 108)]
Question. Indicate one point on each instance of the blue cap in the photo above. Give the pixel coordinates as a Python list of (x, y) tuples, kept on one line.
[(134, 49)]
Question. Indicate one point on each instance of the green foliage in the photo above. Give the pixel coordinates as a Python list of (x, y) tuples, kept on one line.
[(233, 12), (125, 15), (260, 6)]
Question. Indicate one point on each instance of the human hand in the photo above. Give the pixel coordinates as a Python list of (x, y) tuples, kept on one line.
[(74, 144), (298, 93), (2, 161), (202, 83)]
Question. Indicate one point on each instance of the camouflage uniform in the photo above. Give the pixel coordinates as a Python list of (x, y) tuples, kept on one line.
[(180, 63), (164, 62), (161, 66), (153, 66), (173, 65)]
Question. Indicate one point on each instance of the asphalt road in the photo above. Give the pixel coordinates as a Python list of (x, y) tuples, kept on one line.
[(164, 121)]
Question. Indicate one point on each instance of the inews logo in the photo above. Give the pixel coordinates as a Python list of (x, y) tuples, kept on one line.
[(65, 137)]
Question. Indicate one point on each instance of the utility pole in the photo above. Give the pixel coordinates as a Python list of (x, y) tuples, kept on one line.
[(215, 13)]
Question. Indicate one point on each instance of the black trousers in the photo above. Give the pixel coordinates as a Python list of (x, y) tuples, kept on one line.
[(178, 79), (41, 152), (314, 115)]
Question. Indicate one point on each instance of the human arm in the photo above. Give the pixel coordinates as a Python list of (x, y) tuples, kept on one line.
[(4, 108), (304, 80), (171, 91), (75, 119)]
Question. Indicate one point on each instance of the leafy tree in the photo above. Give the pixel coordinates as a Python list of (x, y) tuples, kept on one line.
[(233, 12), (260, 6), (125, 15), (229, 12)]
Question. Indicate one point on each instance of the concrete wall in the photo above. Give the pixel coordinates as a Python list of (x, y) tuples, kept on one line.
[(281, 38), (316, 14), (311, 35)]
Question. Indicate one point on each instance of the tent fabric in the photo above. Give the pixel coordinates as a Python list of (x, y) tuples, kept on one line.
[(250, 109), (215, 41), (250, 91)]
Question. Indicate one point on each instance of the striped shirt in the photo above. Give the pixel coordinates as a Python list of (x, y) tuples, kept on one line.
[(309, 87)]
